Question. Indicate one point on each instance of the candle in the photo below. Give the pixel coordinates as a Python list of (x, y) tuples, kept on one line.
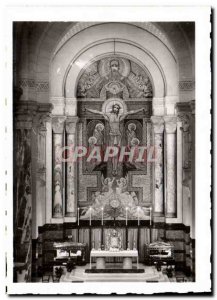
[(138, 208), (126, 215), (102, 216), (78, 216), (150, 215), (90, 215)]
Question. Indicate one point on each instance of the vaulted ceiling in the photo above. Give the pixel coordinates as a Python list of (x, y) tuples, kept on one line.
[(36, 43)]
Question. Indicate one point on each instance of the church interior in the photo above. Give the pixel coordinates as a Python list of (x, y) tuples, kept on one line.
[(104, 151)]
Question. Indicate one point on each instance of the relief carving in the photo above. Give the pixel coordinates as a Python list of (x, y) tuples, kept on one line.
[(71, 124), (187, 143), (58, 124)]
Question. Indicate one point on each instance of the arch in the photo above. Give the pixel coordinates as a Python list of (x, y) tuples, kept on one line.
[(96, 41), (140, 57), (44, 38), (148, 26)]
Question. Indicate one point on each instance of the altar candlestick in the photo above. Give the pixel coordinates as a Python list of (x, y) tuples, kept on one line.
[(102, 216), (150, 215), (126, 215), (78, 216), (90, 215), (134, 244), (138, 214)]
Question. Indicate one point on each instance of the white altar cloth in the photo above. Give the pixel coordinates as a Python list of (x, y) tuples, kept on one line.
[(122, 253)]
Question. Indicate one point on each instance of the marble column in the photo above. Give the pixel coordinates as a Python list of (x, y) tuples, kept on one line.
[(71, 171), (58, 182), (185, 176), (158, 128), (186, 139), (171, 200), (44, 117), (48, 208)]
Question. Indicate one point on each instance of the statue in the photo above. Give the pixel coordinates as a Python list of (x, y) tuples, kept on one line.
[(114, 118)]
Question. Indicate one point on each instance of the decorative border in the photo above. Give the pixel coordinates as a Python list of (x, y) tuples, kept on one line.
[(186, 85), (40, 86)]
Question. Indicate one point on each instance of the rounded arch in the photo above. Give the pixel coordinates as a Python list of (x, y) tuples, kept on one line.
[(104, 39), (148, 26)]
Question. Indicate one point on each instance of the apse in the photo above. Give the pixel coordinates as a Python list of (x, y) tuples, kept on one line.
[(104, 150)]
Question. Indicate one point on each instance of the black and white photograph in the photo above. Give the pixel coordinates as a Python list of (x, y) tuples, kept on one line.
[(104, 131)]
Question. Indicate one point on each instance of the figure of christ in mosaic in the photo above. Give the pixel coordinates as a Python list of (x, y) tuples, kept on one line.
[(114, 117)]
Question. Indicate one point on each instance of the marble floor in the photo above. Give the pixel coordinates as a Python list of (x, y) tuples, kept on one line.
[(150, 274)]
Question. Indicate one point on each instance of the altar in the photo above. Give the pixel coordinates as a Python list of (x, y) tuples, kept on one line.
[(101, 255)]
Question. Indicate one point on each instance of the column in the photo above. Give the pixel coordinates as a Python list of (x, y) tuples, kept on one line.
[(48, 208), (58, 130), (186, 141), (179, 172), (171, 201), (71, 178), (158, 128), (184, 119), (41, 168)]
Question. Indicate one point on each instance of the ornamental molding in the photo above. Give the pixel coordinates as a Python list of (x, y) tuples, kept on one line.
[(170, 124), (38, 86), (71, 123), (186, 85), (58, 124), (185, 119)]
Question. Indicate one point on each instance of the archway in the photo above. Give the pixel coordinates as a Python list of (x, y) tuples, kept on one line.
[(103, 39)]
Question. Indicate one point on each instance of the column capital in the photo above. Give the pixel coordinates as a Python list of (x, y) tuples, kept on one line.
[(58, 124), (170, 124), (44, 115), (71, 123), (25, 113), (158, 124), (185, 119)]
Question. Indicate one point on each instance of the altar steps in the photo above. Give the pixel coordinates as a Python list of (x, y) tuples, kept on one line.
[(150, 275), (114, 271)]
